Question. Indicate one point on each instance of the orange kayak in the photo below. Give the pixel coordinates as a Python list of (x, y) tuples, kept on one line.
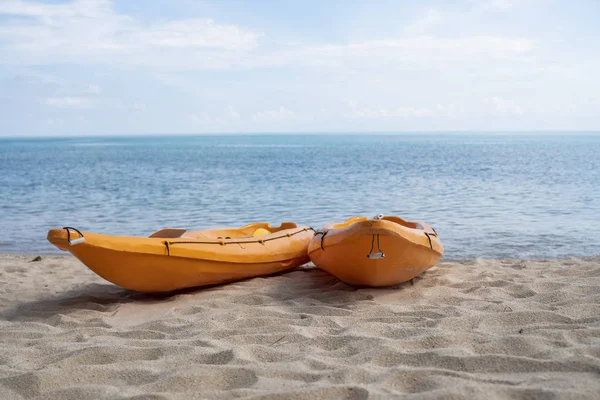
[(382, 251), (172, 259)]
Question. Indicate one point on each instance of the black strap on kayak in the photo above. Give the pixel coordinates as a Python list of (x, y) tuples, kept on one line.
[(223, 242), (323, 234), (68, 229), (429, 238)]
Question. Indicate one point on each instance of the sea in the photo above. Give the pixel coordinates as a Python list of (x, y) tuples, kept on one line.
[(489, 195)]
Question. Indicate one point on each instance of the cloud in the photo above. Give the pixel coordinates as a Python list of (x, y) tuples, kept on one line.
[(406, 48), (374, 113), (431, 19), (447, 110), (55, 122), (409, 53), (232, 114), (200, 118), (69, 102), (91, 31), (498, 4), (94, 89), (280, 114), (432, 70), (197, 33), (47, 12), (379, 113), (505, 106), (440, 110)]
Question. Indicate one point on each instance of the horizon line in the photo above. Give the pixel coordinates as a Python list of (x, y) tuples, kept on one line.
[(258, 133)]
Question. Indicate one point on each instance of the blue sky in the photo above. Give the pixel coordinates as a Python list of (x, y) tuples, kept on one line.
[(92, 67)]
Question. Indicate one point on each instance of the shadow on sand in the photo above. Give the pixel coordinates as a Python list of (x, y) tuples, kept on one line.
[(302, 285)]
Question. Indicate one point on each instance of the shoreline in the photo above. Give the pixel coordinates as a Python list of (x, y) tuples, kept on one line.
[(469, 328)]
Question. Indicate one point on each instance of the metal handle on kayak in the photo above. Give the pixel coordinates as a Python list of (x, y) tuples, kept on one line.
[(375, 256), (74, 242)]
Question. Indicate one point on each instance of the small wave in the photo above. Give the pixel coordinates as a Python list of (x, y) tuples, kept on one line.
[(262, 145), (98, 144)]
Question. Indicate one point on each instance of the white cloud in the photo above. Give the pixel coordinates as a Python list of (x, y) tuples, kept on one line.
[(413, 53), (357, 112), (382, 112), (55, 122), (280, 114), (233, 114), (499, 4), (433, 71), (431, 19), (447, 110), (91, 31), (452, 47), (138, 106), (197, 33), (200, 118), (94, 89), (46, 12), (505, 106), (69, 102)]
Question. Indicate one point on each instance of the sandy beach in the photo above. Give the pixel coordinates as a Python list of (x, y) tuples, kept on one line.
[(493, 329)]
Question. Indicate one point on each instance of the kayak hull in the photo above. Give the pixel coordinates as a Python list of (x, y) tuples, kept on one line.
[(159, 264), (375, 252)]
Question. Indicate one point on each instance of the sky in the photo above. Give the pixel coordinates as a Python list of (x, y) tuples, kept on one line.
[(102, 67)]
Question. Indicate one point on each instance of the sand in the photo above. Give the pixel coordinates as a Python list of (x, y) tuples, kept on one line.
[(473, 329)]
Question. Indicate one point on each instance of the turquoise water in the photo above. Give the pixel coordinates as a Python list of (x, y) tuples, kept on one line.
[(487, 195)]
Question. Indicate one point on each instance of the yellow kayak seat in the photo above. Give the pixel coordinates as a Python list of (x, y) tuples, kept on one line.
[(261, 232)]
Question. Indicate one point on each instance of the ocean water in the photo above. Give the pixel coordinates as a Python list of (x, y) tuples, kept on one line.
[(487, 195)]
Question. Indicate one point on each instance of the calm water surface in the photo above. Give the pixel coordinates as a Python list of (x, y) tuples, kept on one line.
[(492, 195)]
